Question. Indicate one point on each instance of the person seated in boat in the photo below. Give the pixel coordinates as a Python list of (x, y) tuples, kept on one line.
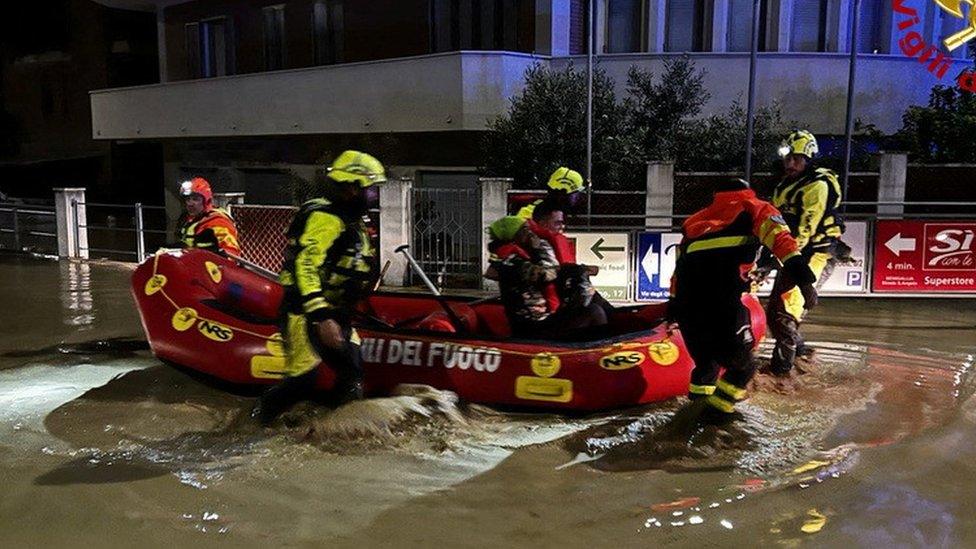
[(548, 224), (565, 190), (717, 252), (327, 270), (527, 270), (202, 225)]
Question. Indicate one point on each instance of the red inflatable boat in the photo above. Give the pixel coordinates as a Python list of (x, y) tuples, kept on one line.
[(208, 313)]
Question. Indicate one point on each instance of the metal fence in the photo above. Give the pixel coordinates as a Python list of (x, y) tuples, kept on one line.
[(27, 227), (447, 234), (119, 231), (262, 232)]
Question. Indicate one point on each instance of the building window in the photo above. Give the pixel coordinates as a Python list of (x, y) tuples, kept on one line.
[(481, 25), (739, 36), (624, 26), (327, 29), (809, 28), (685, 26), (870, 25), (209, 50), (274, 37)]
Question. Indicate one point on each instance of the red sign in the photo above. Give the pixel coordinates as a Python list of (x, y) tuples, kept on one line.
[(925, 256)]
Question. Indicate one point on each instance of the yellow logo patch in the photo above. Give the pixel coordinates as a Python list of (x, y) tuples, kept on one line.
[(155, 284), (215, 331), (622, 360), (275, 345), (214, 271), (664, 353), (545, 389), (184, 318), (545, 364)]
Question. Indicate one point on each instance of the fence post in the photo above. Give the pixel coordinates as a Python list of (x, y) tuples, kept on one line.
[(891, 182), (140, 237), (69, 209), (16, 231), (396, 227), (494, 204), (659, 199), (223, 200)]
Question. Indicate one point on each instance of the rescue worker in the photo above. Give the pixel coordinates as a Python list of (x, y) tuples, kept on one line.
[(565, 191), (808, 198), (526, 269), (718, 249), (203, 225), (327, 270)]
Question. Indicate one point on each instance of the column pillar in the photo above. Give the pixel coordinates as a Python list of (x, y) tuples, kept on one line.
[(71, 219), (396, 228), (659, 199), (494, 204), (720, 25), (891, 182), (552, 22)]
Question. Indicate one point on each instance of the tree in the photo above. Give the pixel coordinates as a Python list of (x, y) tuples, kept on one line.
[(717, 142), (658, 112), (942, 131), (546, 128)]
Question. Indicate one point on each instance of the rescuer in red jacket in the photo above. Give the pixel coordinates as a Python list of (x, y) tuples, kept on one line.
[(717, 252), (203, 225)]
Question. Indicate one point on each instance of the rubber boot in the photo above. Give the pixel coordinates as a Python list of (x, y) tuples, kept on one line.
[(284, 395)]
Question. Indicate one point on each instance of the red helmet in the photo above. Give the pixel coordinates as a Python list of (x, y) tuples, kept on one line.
[(198, 185)]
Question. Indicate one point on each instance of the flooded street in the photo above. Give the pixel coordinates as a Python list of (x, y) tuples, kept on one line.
[(100, 443)]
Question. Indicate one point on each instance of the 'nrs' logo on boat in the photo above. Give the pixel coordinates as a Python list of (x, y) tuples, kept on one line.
[(622, 360), (214, 331)]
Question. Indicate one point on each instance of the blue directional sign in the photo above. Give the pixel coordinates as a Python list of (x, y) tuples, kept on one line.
[(656, 254)]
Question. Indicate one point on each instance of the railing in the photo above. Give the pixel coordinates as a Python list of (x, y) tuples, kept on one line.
[(108, 232), (32, 227)]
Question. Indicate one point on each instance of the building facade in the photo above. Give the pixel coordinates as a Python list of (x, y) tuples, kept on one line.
[(256, 94), (52, 54)]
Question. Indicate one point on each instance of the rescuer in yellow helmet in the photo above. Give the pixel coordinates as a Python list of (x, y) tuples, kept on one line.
[(566, 188), (327, 270)]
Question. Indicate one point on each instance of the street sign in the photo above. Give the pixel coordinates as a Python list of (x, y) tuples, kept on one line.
[(924, 256), (611, 253), (848, 278), (656, 254)]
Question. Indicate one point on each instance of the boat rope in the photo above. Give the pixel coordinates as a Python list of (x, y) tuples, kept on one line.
[(614, 347)]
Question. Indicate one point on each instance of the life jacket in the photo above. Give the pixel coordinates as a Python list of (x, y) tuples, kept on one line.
[(213, 228), (561, 246), (501, 251), (328, 261), (818, 229)]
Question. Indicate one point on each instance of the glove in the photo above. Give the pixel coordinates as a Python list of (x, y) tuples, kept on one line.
[(809, 296), (798, 271), (765, 265)]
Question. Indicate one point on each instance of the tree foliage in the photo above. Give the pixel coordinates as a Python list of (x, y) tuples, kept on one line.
[(658, 119), (942, 131), (546, 127)]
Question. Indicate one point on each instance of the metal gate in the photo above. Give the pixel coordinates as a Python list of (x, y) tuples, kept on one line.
[(447, 229)]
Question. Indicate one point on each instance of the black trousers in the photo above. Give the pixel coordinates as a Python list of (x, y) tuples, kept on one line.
[(719, 336)]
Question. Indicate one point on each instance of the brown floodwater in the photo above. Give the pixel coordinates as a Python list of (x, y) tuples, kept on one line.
[(101, 444)]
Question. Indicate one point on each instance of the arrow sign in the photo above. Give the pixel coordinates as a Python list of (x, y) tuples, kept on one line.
[(897, 244), (596, 248), (650, 262)]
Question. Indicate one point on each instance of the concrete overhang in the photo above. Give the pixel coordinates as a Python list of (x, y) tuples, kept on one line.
[(441, 92)]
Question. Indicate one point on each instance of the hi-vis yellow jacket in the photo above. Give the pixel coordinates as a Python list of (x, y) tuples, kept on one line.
[(809, 205), (328, 261)]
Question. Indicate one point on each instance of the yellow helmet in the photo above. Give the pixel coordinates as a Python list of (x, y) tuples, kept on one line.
[(799, 142), (357, 167), (567, 180)]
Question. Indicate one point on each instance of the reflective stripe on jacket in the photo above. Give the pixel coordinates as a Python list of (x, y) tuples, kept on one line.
[(214, 226), (328, 263)]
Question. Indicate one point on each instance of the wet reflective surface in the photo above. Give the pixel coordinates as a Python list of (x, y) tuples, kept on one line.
[(100, 443)]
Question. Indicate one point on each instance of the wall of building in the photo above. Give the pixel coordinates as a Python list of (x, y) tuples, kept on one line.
[(52, 54), (810, 88)]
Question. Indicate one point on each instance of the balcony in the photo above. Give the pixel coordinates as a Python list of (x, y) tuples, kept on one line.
[(457, 91)]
